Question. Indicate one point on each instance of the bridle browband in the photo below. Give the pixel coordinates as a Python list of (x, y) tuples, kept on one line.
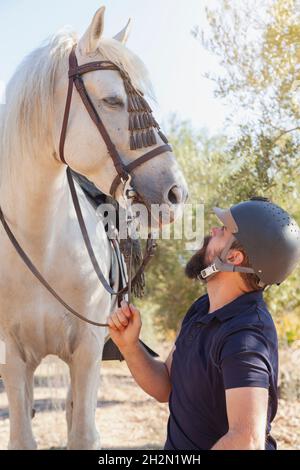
[(142, 122), (136, 104)]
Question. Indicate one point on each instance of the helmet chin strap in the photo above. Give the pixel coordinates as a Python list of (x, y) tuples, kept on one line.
[(220, 265)]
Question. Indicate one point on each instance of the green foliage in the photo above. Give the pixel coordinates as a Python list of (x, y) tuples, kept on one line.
[(203, 161), (258, 47)]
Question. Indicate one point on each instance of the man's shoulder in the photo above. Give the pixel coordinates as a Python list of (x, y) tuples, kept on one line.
[(253, 325), (256, 316), (197, 308)]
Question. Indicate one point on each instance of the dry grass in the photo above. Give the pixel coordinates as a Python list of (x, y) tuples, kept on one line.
[(126, 417)]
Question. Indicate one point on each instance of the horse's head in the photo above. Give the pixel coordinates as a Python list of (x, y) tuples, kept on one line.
[(157, 181)]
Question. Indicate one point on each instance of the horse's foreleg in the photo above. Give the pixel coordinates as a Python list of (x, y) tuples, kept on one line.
[(18, 380), (85, 377)]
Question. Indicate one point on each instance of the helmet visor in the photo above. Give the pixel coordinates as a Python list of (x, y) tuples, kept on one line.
[(225, 216)]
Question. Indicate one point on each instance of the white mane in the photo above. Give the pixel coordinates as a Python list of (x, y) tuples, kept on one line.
[(25, 120)]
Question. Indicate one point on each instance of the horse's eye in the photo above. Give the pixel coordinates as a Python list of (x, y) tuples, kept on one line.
[(114, 101)]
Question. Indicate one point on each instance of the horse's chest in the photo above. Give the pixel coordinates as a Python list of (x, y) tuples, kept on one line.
[(31, 313)]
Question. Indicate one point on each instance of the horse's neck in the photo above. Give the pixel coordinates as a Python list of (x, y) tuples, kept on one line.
[(33, 203)]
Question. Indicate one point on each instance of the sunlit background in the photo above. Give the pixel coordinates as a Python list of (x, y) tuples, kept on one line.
[(161, 36), (235, 137)]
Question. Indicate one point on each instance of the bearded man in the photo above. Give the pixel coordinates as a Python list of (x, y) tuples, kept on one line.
[(220, 378)]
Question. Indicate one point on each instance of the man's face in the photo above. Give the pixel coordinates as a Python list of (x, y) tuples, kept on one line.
[(212, 247)]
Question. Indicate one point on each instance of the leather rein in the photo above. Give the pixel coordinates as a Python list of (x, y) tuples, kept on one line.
[(123, 176)]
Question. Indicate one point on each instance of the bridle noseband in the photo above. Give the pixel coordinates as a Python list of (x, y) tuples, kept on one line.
[(141, 120)]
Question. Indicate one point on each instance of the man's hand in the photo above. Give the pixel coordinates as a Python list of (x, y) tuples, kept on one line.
[(125, 326), (149, 373)]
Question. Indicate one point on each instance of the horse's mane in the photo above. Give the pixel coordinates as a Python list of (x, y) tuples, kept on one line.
[(26, 118)]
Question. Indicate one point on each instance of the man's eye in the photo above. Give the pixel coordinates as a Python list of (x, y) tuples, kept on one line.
[(114, 101)]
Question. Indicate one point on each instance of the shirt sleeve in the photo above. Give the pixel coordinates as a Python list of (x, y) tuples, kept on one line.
[(245, 360)]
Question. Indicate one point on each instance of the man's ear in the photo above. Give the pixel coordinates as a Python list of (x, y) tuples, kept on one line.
[(89, 42), (235, 257)]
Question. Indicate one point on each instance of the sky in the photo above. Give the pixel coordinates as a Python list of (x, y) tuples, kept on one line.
[(161, 36)]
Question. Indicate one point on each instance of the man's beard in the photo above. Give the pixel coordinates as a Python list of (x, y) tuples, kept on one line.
[(198, 262)]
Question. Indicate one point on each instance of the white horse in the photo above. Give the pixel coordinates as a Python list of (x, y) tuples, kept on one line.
[(36, 202)]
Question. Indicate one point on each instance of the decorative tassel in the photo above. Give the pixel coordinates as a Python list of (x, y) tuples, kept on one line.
[(131, 122), (151, 120), (131, 89), (139, 141), (138, 288), (163, 137), (145, 105), (141, 121), (145, 121), (125, 246), (141, 118), (130, 104), (154, 123), (134, 106), (142, 104), (153, 137), (149, 140), (127, 87), (137, 258), (136, 122), (135, 103), (144, 139), (142, 101), (139, 103), (132, 142)]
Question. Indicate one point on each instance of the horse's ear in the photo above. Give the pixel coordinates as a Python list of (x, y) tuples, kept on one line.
[(123, 35), (89, 41)]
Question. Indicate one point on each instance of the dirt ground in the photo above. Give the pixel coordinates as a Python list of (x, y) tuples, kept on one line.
[(126, 417)]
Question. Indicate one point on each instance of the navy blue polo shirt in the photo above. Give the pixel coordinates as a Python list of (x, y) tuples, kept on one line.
[(235, 346)]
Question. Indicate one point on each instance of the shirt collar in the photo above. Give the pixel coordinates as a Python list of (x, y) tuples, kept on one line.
[(231, 309)]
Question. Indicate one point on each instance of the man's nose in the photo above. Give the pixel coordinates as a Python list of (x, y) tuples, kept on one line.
[(214, 231)]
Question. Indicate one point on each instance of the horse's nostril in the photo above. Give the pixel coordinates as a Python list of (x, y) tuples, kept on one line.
[(175, 195)]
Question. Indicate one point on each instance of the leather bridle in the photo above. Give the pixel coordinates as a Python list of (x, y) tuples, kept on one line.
[(124, 173), (75, 78)]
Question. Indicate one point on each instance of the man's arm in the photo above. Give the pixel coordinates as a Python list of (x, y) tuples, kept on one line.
[(152, 375), (247, 417)]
